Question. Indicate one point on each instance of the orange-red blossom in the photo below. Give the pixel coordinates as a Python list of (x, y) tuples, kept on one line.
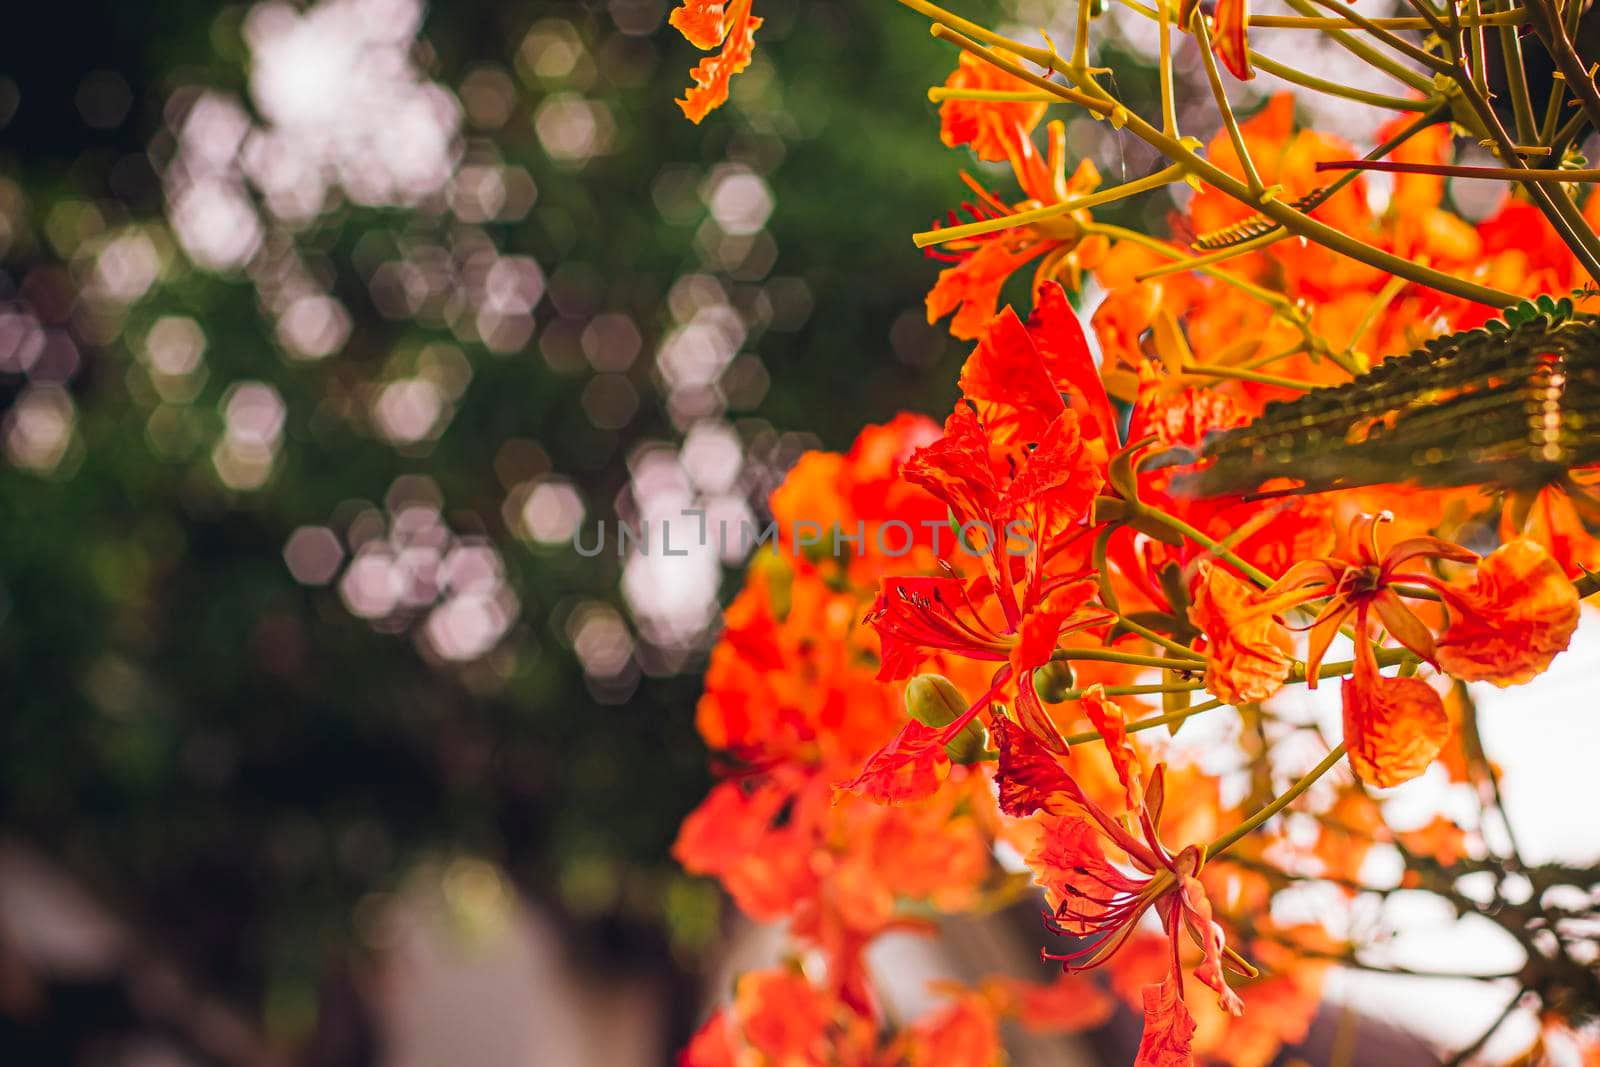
[(1096, 900), (1505, 627), (981, 264)]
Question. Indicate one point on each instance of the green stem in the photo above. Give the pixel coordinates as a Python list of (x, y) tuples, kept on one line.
[(1403, 22), (1275, 300), (1571, 16), (1322, 85), (1385, 297), (1553, 202), (1360, 49), (1552, 112), (1558, 43), (1246, 376), (1297, 222), (1386, 657), (1399, 44), (1183, 651), (941, 17), (940, 93), (1283, 800), (1517, 78), (1169, 103), (1480, 56), (1102, 569), (1165, 176), (1147, 724), (1568, 132), (1278, 233), (1080, 42), (1457, 170), (1216, 548), (1252, 178), (1132, 659), (1311, 81), (1273, 357), (1133, 690)]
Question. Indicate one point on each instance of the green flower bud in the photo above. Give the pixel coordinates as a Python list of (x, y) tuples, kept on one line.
[(1053, 681), (933, 700)]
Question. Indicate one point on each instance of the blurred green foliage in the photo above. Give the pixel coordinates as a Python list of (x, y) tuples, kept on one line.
[(231, 757)]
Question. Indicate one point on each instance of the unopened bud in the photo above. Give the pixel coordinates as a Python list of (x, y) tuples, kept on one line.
[(1053, 681), (1174, 702), (933, 700)]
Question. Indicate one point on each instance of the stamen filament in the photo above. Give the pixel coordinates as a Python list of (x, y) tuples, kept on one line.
[(1306, 781), (1456, 170), (1166, 176), (940, 93)]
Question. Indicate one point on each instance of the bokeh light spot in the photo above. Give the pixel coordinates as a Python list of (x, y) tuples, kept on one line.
[(553, 511), (313, 555)]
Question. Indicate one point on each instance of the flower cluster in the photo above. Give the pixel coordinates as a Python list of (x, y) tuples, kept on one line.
[(891, 725), (792, 706)]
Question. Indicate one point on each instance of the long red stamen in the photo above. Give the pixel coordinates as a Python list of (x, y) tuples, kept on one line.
[(960, 723)]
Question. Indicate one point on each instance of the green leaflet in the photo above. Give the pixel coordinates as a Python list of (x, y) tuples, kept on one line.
[(1248, 229), (1515, 405)]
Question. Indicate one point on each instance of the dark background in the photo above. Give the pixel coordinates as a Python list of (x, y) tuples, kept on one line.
[(229, 760)]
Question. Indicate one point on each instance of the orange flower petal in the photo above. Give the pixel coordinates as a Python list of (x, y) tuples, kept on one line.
[(1030, 778), (1106, 716), (988, 126), (712, 74), (700, 22), (1006, 378), (1070, 864), (972, 287), (1248, 658), (907, 769), (1394, 727), (1168, 1027), (1205, 930), (1069, 1004), (1552, 520), (1403, 625), (1123, 317), (956, 468), (1229, 42), (1033, 717), (1518, 614), (713, 1045), (1063, 610), (1060, 473), (964, 1032), (1058, 336)]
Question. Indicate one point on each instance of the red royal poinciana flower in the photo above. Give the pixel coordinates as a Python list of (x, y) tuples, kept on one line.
[(1394, 727), (982, 263), (1505, 627), (915, 616), (1101, 902), (990, 127), (1018, 468)]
